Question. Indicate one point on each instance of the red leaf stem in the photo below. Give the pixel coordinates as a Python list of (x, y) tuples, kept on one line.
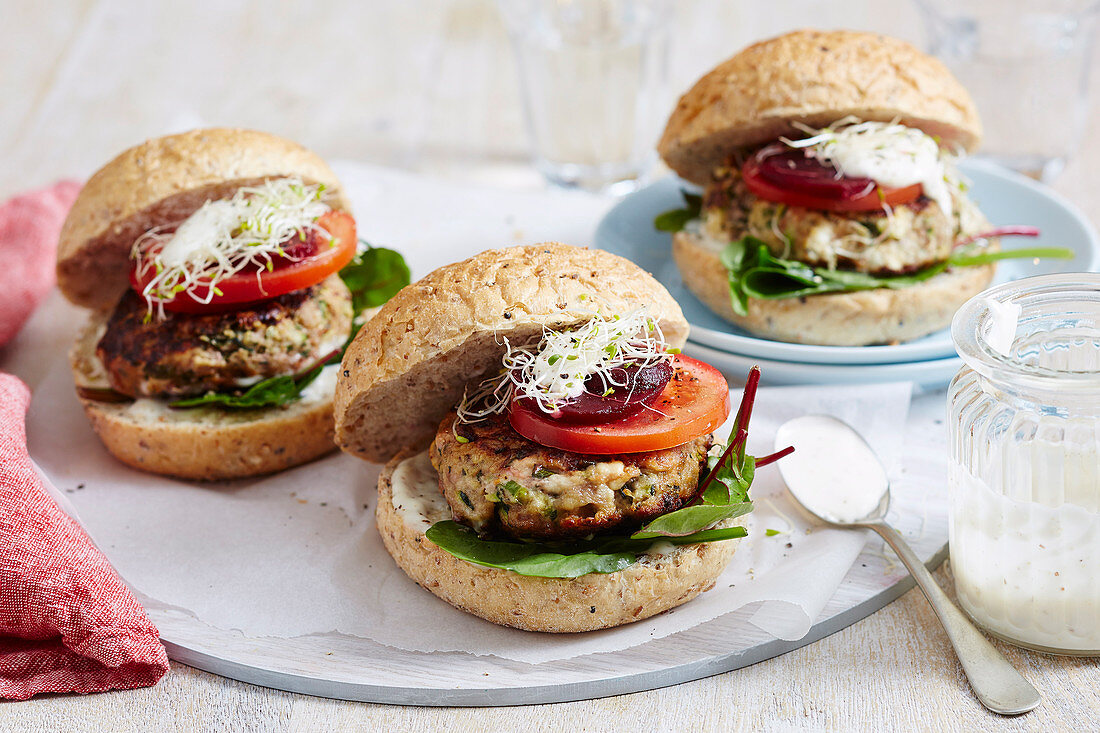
[(1005, 231), (774, 456), (739, 440)]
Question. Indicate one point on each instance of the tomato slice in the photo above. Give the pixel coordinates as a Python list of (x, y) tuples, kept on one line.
[(792, 178), (314, 259), (695, 401)]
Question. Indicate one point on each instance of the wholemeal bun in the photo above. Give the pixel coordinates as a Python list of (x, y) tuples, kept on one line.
[(815, 78), (656, 583), (859, 318), (409, 364), (408, 367), (203, 443), (163, 181)]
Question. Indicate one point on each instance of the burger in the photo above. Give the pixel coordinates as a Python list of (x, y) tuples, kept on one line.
[(831, 211), (549, 458), (224, 277)]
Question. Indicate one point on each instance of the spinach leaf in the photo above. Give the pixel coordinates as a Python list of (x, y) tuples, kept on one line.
[(691, 520), (675, 219), (754, 272), (523, 557), (557, 559), (374, 276), (268, 393)]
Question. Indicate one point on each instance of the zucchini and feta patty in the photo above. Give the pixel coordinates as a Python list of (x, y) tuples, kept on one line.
[(889, 240), (191, 354), (495, 480)]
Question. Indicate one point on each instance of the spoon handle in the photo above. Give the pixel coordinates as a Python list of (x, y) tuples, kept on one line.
[(995, 682)]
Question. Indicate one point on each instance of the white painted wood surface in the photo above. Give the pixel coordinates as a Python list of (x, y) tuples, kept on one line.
[(429, 86)]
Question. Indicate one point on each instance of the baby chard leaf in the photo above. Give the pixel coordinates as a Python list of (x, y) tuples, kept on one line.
[(725, 490), (691, 520)]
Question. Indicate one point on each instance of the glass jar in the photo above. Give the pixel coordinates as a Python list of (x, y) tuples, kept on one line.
[(1024, 429)]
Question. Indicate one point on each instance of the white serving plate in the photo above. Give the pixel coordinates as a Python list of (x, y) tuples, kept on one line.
[(1004, 196)]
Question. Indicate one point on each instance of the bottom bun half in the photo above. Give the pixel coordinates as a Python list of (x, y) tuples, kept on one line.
[(206, 443), (656, 583), (859, 318)]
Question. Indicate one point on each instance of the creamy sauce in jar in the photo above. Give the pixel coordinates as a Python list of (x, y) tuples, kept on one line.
[(416, 494), (1028, 568)]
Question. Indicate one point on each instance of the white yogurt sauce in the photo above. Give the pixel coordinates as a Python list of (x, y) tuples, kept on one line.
[(1028, 567), (890, 154), (323, 387), (832, 471), (661, 549), (416, 495)]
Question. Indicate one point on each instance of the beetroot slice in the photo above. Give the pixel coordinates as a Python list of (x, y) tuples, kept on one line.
[(794, 170), (591, 407)]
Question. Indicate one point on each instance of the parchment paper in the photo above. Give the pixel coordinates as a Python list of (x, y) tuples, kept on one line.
[(298, 554)]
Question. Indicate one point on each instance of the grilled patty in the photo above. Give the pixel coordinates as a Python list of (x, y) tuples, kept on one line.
[(500, 482), (186, 354), (911, 237)]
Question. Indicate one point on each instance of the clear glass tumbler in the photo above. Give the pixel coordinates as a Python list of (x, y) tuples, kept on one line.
[(1024, 472), (592, 75), (1026, 64)]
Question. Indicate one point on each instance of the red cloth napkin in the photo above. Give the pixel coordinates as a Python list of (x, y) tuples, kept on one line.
[(67, 622), (29, 225)]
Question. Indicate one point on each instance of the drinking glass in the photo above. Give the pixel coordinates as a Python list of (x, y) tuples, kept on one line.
[(592, 76), (1026, 63)]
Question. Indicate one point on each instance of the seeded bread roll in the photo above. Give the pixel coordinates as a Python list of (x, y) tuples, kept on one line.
[(816, 78), (408, 366), (860, 318), (657, 582), (163, 181)]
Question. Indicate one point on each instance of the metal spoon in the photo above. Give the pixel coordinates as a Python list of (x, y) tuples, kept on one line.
[(836, 476)]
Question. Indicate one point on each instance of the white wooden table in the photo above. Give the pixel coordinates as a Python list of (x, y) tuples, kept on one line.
[(429, 86)]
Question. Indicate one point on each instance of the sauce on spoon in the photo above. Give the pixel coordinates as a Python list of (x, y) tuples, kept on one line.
[(832, 472)]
